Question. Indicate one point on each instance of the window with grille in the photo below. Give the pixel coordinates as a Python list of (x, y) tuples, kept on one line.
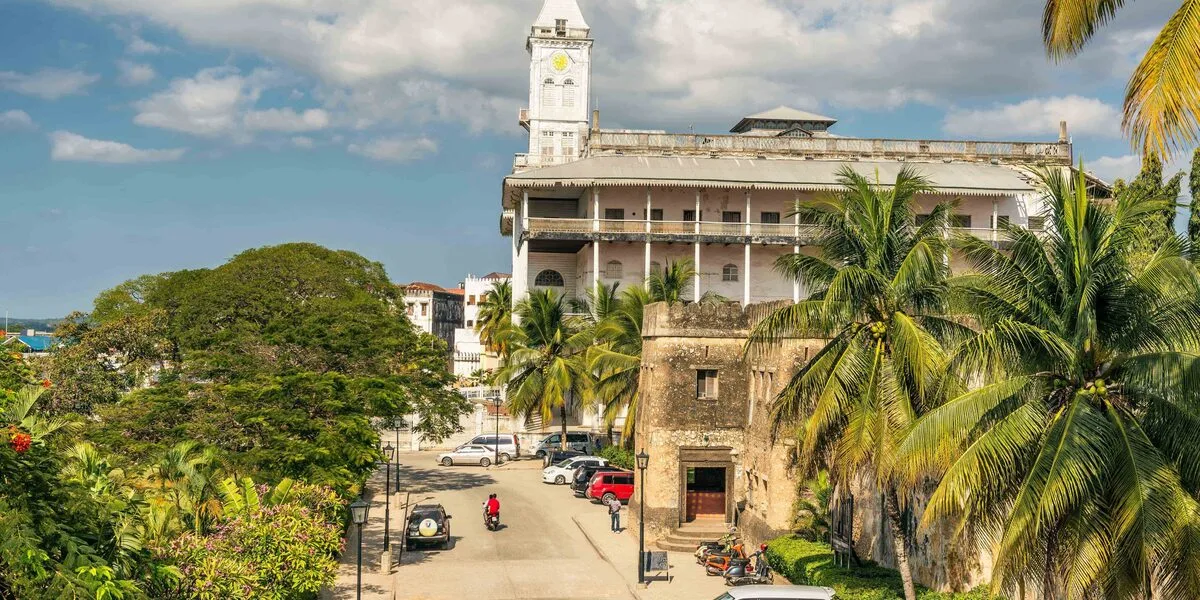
[(1037, 223), (614, 270), (1002, 220), (729, 273), (731, 216), (547, 143), (424, 309), (706, 384), (963, 221), (770, 217), (548, 90), (549, 278), (656, 214), (655, 267), (560, 26), (690, 215), (568, 93), (568, 143), (614, 214)]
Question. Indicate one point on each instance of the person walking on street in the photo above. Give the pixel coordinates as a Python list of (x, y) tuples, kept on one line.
[(614, 512)]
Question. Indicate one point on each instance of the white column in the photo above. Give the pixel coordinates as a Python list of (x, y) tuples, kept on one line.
[(596, 240), (746, 274), (525, 211), (646, 271), (995, 220), (696, 261), (796, 250)]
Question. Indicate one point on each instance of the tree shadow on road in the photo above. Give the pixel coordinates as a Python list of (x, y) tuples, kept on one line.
[(420, 480)]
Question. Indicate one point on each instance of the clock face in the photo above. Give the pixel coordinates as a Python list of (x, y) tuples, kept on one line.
[(560, 61)]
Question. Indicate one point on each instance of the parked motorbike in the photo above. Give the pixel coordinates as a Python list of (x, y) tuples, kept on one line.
[(719, 562), (737, 575), (725, 544)]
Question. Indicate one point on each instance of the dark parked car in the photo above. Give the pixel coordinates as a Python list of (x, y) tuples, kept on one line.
[(583, 475), (428, 524), (558, 456)]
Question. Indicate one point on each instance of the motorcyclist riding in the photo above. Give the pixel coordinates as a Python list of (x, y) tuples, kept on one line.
[(491, 509)]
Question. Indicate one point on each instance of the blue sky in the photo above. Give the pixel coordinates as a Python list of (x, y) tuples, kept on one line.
[(140, 136)]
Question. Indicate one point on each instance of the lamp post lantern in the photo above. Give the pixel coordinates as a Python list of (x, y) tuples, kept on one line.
[(388, 453), (643, 460), (358, 514), (496, 405)]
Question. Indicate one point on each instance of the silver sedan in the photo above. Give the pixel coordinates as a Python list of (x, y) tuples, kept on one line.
[(467, 455)]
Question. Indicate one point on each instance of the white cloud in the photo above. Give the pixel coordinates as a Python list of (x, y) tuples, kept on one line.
[(287, 120), (68, 146), (210, 104), (16, 120), (303, 142), (137, 45), (1112, 168), (1037, 117), (48, 84), (135, 74), (395, 149)]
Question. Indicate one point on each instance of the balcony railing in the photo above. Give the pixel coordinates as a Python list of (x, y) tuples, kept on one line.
[(529, 161), (615, 142), (586, 229)]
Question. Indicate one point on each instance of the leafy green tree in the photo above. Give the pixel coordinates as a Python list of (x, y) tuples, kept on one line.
[(495, 314), (878, 294), (15, 373), (545, 371), (1149, 186), (813, 520), (616, 360), (1076, 457), (1194, 208)]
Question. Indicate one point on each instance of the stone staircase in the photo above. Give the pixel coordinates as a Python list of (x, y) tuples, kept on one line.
[(686, 537)]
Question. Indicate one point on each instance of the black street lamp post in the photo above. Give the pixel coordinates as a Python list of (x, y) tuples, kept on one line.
[(643, 460), (397, 424), (358, 514), (388, 453), (496, 405)]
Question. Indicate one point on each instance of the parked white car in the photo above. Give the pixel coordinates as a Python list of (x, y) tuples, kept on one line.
[(560, 473), (467, 455)]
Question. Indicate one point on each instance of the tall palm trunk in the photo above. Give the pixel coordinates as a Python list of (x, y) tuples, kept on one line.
[(900, 540), (562, 412)]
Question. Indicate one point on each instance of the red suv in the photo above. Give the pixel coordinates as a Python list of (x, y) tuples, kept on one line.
[(606, 485)]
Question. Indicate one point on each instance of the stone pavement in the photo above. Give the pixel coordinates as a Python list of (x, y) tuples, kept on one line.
[(687, 580), (375, 584)]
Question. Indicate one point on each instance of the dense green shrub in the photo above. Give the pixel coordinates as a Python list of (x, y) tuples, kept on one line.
[(617, 456), (274, 551), (811, 563)]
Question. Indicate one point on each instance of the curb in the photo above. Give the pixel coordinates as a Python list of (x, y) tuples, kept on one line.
[(632, 588)]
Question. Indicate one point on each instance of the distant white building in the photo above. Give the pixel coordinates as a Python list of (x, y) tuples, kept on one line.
[(469, 353), (434, 310)]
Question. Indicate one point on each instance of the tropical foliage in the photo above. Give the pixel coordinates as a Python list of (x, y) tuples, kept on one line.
[(495, 315), (188, 388), (877, 293), (545, 370), (1077, 455), (1162, 109)]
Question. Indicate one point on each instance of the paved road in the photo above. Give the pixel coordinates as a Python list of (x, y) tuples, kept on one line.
[(540, 553)]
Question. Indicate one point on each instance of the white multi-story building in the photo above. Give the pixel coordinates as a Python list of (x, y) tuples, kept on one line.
[(586, 205), (469, 353)]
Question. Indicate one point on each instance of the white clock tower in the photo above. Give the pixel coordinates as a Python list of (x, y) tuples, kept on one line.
[(560, 77)]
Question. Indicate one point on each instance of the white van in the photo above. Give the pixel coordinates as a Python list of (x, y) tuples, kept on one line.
[(507, 444)]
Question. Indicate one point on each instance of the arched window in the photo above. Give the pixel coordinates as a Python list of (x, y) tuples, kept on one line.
[(548, 90), (568, 93), (729, 273), (549, 278), (613, 270)]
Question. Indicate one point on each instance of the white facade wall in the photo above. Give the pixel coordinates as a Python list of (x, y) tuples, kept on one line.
[(564, 263)]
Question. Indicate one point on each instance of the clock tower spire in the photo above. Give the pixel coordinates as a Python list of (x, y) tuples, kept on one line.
[(560, 77)]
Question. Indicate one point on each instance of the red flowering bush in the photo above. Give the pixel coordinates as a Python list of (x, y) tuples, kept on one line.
[(20, 442)]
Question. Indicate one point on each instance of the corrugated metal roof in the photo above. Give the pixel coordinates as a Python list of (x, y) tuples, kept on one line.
[(37, 343), (799, 175)]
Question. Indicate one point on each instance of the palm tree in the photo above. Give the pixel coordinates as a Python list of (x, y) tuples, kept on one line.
[(877, 294), (672, 284), (1162, 98), (616, 362), (1076, 458), (495, 314), (545, 369), (184, 478)]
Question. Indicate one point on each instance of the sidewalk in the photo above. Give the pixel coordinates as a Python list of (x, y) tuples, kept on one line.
[(375, 585), (687, 579)]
